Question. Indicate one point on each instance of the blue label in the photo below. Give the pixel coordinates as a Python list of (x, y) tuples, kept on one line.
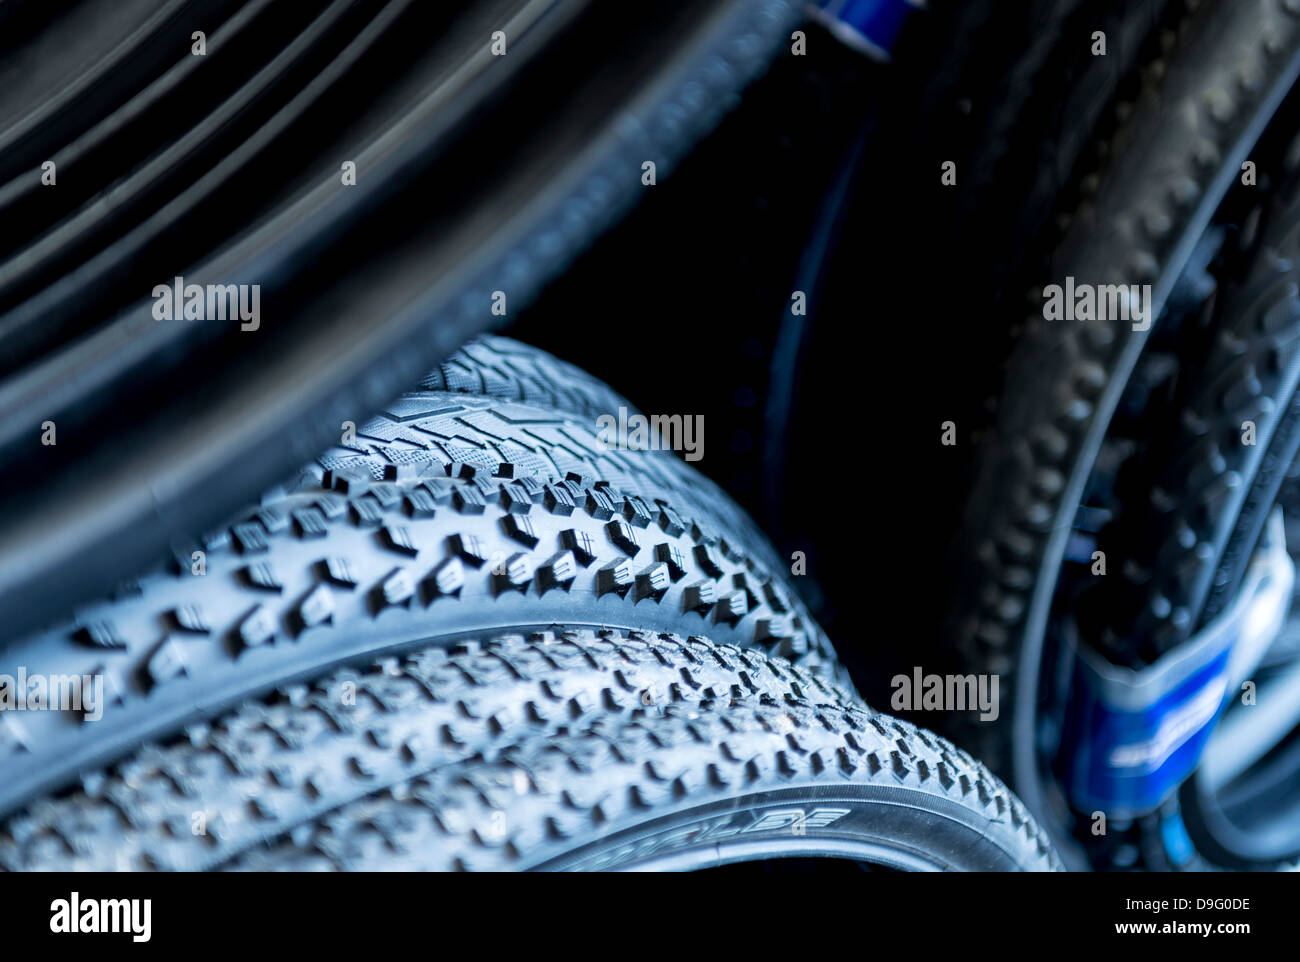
[(1130, 737), (874, 25), (1127, 760)]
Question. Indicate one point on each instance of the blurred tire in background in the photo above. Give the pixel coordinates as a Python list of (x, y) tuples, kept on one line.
[(207, 140)]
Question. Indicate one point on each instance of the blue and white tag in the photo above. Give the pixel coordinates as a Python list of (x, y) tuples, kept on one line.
[(1131, 737)]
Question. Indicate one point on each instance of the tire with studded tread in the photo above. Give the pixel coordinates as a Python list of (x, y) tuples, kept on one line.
[(1186, 545), (451, 513), (1205, 497), (691, 787), (1203, 103), (501, 367), (574, 750)]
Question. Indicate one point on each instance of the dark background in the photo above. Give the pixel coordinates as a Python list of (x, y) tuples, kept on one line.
[(825, 428)]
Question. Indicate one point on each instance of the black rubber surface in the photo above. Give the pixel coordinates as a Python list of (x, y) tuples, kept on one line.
[(555, 750), (1193, 503), (362, 288), (451, 513), (1205, 100), (1186, 543)]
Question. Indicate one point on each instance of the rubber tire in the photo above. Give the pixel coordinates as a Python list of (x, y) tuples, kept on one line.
[(339, 565), (553, 751), (1187, 544), (1169, 164), (190, 407)]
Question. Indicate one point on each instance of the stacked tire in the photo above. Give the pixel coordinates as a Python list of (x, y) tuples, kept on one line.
[(475, 635)]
